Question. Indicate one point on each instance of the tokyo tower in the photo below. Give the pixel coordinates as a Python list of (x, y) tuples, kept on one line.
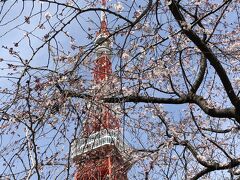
[(100, 151)]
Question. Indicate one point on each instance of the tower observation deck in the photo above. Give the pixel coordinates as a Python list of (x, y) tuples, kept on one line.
[(100, 152)]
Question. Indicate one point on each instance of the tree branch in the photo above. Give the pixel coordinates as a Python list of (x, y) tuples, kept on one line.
[(208, 53)]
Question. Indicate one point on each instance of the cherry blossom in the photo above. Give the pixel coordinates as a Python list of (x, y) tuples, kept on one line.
[(172, 83)]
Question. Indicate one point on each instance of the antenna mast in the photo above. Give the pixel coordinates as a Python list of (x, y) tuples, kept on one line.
[(103, 28)]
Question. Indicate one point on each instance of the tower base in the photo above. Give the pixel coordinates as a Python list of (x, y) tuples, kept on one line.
[(101, 168)]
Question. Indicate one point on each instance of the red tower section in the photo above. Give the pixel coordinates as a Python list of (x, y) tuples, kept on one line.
[(100, 152)]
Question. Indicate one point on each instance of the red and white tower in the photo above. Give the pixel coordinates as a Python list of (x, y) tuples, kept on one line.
[(100, 152)]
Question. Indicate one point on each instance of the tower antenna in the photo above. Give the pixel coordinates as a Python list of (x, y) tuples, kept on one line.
[(103, 17)]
